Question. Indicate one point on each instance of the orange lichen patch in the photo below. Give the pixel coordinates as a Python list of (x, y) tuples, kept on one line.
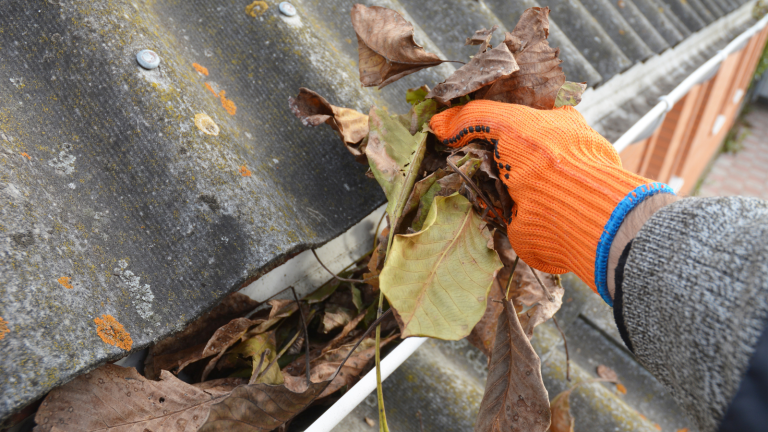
[(256, 8), (657, 426), (27, 156), (245, 172), (208, 86), (112, 332), (202, 69), (3, 328), (227, 104), (683, 430), (206, 124), (66, 282), (621, 389)]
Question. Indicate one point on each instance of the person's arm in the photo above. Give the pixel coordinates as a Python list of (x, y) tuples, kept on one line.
[(691, 297), (687, 277)]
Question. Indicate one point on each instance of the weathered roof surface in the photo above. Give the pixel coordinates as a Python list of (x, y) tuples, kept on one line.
[(112, 201)]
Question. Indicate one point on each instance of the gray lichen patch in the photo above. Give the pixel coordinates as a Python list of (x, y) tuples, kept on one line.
[(141, 295), (64, 162)]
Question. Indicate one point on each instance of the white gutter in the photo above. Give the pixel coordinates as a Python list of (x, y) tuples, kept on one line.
[(365, 386), (652, 120)]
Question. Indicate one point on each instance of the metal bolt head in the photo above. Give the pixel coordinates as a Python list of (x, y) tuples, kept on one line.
[(287, 9), (148, 59)]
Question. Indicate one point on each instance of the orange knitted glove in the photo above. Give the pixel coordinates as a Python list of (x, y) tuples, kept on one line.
[(571, 193)]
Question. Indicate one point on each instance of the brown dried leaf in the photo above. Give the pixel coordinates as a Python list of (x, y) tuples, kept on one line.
[(483, 70), (260, 407), (386, 47), (197, 332), (545, 308), (224, 337), (171, 361), (525, 290), (515, 397), (113, 398), (352, 126), (481, 36), (540, 76), (562, 420), (339, 339), (324, 367), (484, 332), (221, 384), (335, 316), (570, 94), (607, 374)]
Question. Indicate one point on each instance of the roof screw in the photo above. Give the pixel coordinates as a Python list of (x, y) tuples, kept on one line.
[(148, 59), (287, 9)]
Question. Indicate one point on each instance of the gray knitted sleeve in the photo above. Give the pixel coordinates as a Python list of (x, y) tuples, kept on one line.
[(695, 298)]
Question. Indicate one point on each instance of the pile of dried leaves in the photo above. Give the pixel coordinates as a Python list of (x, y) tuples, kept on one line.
[(443, 264)]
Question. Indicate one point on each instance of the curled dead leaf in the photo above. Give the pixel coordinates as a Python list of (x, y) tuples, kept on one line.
[(481, 36), (259, 407), (483, 70), (313, 110), (335, 316), (113, 398), (540, 76), (325, 367), (386, 46), (607, 374), (515, 397), (562, 420)]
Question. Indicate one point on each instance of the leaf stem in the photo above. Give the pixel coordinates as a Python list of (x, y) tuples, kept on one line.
[(378, 226), (255, 376), (339, 277), (511, 274), (565, 343), (546, 291)]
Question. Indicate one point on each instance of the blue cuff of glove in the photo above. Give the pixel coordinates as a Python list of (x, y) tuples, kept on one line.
[(625, 206)]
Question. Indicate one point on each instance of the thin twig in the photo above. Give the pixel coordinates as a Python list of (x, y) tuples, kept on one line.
[(339, 277), (511, 274), (306, 332), (546, 291), (565, 343), (255, 377), (375, 324), (477, 191), (421, 423)]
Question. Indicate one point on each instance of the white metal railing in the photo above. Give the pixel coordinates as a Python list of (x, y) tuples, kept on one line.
[(639, 131), (652, 120)]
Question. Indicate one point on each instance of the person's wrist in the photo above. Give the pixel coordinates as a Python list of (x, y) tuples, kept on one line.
[(629, 228)]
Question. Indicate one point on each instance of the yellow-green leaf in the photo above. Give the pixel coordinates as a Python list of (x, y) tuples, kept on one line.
[(438, 279), (570, 94), (416, 95), (395, 157), (253, 348)]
